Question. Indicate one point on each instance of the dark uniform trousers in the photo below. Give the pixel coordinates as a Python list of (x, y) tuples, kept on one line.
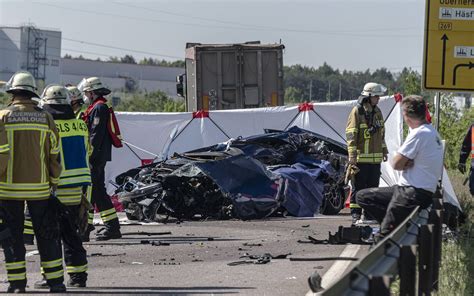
[(101, 198), (75, 255), (391, 205), (367, 177), (49, 249)]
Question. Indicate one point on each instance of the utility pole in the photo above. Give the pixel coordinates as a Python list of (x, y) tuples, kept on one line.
[(310, 90)]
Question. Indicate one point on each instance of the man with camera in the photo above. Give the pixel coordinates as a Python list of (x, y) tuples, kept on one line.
[(365, 143)]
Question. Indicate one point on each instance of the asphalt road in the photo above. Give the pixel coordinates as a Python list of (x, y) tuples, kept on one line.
[(196, 261)]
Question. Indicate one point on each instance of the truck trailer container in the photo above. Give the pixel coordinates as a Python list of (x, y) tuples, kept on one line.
[(232, 76)]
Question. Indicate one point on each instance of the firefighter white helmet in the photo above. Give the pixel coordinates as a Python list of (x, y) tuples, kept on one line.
[(373, 89), (74, 94), (93, 84), (55, 94), (22, 81)]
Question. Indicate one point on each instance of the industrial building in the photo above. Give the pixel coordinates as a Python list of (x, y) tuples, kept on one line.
[(122, 77), (39, 52), (31, 49)]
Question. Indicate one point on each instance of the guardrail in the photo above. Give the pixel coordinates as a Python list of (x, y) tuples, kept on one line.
[(418, 237)]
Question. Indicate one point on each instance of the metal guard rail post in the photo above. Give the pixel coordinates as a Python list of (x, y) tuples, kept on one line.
[(396, 255)]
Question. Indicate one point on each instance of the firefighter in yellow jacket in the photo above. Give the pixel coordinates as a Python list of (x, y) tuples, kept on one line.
[(32, 172), (74, 153), (365, 143), (4, 156), (78, 106), (4, 150)]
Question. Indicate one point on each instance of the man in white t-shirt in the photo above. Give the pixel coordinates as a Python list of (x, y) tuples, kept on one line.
[(420, 159)]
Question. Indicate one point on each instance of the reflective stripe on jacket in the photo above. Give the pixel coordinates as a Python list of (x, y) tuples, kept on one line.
[(4, 149), (363, 145), (75, 150), (33, 166)]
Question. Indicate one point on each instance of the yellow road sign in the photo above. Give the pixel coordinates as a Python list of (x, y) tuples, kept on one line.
[(448, 61)]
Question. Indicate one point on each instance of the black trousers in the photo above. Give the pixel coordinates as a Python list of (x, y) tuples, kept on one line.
[(14, 249), (101, 199), (75, 255), (367, 177), (391, 205)]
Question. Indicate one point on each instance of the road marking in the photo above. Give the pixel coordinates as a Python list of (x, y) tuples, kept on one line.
[(338, 268)]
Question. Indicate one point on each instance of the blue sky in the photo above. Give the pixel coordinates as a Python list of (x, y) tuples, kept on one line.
[(348, 35)]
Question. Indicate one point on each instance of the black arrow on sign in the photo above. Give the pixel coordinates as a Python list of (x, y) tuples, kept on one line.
[(470, 66), (444, 38)]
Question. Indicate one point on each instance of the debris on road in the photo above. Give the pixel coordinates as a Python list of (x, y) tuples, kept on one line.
[(154, 242), (345, 235), (281, 256), (314, 281), (105, 255), (252, 244), (258, 259), (147, 233), (325, 259)]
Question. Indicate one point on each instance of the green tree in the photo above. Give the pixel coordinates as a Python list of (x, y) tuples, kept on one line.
[(453, 127), (163, 63), (293, 95), (150, 102), (128, 59), (113, 60)]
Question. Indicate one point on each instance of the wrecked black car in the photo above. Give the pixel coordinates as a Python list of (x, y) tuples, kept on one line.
[(293, 172)]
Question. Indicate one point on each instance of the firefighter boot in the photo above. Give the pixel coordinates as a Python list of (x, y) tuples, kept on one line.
[(17, 287), (77, 280), (110, 231)]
